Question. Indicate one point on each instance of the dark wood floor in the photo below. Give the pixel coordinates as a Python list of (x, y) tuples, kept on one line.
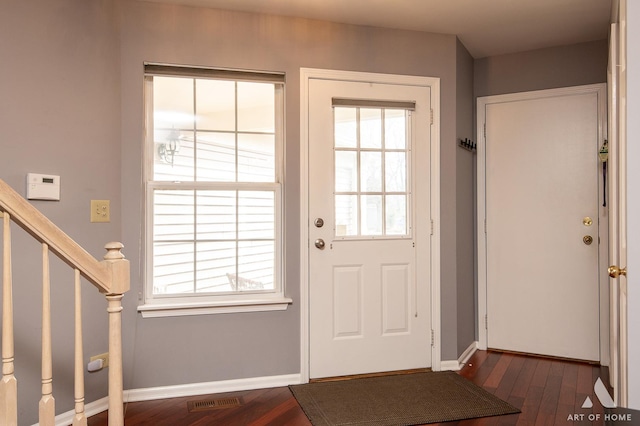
[(546, 390)]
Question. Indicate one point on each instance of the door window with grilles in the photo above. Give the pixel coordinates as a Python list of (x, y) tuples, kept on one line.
[(372, 156)]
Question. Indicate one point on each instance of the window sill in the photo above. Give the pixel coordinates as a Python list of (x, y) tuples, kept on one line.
[(160, 309)]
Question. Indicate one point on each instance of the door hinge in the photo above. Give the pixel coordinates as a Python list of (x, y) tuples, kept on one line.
[(431, 114), (485, 226), (486, 322), (431, 226), (484, 131), (433, 338)]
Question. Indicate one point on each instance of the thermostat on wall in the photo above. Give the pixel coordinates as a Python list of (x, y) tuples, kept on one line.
[(43, 187)]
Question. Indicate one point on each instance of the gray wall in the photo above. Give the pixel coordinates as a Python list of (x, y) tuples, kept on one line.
[(563, 66), (465, 212), (220, 347), (60, 114)]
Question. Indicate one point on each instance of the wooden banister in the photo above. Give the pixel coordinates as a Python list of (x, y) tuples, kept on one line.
[(110, 276), (45, 231)]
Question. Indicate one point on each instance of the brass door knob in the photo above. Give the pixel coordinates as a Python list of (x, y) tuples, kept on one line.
[(615, 272), (319, 243)]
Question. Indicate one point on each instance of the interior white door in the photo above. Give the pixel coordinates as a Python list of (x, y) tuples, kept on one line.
[(369, 286), (542, 230), (618, 368)]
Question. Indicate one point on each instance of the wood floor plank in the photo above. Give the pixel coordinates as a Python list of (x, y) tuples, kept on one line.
[(545, 390)]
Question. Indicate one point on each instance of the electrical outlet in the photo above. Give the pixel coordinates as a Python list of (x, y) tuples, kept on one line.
[(100, 211), (104, 357)]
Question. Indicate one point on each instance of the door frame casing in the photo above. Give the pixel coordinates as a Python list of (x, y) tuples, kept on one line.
[(601, 90), (306, 74)]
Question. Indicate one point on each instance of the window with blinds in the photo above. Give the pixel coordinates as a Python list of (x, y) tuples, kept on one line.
[(213, 179)]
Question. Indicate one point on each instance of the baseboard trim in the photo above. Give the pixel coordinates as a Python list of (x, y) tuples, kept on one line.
[(456, 365), (177, 391)]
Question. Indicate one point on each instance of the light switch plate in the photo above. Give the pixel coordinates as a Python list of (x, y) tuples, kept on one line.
[(100, 211)]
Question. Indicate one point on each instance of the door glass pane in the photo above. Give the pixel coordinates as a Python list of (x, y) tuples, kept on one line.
[(345, 126), (346, 171), (346, 215), (371, 171), (371, 220), (395, 171), (395, 132), (396, 215), (370, 128)]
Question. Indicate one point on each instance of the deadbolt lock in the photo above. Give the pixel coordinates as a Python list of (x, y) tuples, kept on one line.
[(588, 239), (587, 221)]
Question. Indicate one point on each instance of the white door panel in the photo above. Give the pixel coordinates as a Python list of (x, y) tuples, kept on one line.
[(541, 210), (369, 296)]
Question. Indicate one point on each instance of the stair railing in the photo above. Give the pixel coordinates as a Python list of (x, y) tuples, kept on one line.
[(110, 276)]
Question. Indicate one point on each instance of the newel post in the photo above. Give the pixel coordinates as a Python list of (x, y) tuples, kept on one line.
[(120, 284)]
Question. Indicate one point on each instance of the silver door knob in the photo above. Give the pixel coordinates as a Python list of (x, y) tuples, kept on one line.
[(320, 243)]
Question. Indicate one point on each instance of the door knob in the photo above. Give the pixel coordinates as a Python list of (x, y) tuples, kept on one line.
[(588, 239), (320, 243), (615, 272)]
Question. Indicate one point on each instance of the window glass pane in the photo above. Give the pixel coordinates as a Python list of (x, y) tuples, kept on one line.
[(173, 215), (345, 125), (346, 215), (396, 215), (173, 155), (346, 171), (216, 215), (215, 105), (256, 261), (395, 132), (370, 171), (216, 157), (173, 103), (173, 267), (256, 215), (370, 128), (215, 265), (371, 219), (256, 107), (256, 158), (395, 171)]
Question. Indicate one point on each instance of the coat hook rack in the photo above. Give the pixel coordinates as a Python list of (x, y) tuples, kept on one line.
[(467, 144)]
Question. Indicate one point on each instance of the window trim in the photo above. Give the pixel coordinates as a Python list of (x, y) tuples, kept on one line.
[(153, 306)]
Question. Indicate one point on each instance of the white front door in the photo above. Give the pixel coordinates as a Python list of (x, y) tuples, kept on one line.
[(542, 222), (369, 244)]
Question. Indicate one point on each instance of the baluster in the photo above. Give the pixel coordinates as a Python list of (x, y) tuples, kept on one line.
[(47, 412), (80, 419), (8, 385)]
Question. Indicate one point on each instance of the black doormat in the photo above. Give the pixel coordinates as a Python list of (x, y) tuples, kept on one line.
[(409, 399)]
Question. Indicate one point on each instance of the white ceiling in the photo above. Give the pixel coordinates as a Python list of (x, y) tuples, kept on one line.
[(485, 27)]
